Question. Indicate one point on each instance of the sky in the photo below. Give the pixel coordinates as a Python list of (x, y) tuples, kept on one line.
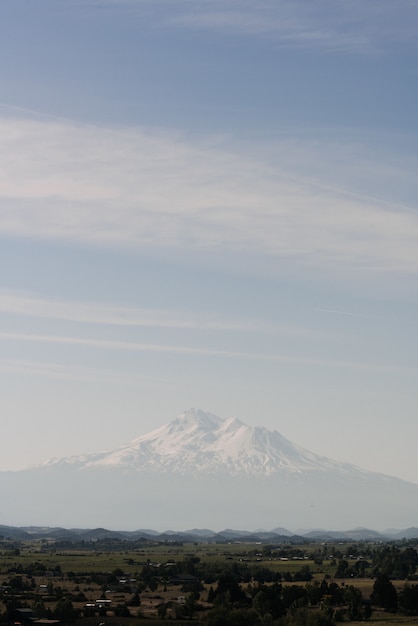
[(213, 205)]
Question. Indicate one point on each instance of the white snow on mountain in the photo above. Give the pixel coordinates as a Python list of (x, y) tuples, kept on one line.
[(202, 443)]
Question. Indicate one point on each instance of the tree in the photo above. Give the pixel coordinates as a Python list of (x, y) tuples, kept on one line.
[(304, 574), (342, 569), (302, 617), (261, 602), (192, 603), (211, 595), (12, 603), (162, 610), (121, 610), (65, 612), (384, 593), (218, 617), (294, 596), (408, 599), (118, 573), (228, 591), (367, 610), (40, 610), (135, 600), (267, 600), (153, 583), (18, 584), (354, 600), (237, 617), (315, 591)]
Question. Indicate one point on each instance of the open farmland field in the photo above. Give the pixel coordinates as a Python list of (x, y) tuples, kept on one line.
[(98, 560), (130, 560)]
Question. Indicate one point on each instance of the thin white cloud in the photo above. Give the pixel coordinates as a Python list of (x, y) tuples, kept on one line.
[(124, 346), (350, 26), (103, 313), (58, 371), (345, 313), (156, 190)]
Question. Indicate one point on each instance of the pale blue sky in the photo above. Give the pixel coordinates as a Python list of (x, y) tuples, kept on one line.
[(211, 205)]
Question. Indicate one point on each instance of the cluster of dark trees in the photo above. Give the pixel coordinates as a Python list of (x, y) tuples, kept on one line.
[(314, 604), (395, 562)]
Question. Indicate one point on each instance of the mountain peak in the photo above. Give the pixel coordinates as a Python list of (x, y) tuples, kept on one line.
[(200, 443), (194, 419)]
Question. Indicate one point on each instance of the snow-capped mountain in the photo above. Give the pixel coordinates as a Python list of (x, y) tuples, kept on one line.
[(206, 472), (202, 443)]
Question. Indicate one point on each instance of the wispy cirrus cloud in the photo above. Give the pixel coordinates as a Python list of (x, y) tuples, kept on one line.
[(60, 371), (124, 346), (151, 189), (353, 27), (344, 313), (103, 313), (44, 368), (108, 314)]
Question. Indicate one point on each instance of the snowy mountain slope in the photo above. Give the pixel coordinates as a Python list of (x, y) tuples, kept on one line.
[(202, 443)]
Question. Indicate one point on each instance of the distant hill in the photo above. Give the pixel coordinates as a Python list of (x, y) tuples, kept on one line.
[(93, 535)]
